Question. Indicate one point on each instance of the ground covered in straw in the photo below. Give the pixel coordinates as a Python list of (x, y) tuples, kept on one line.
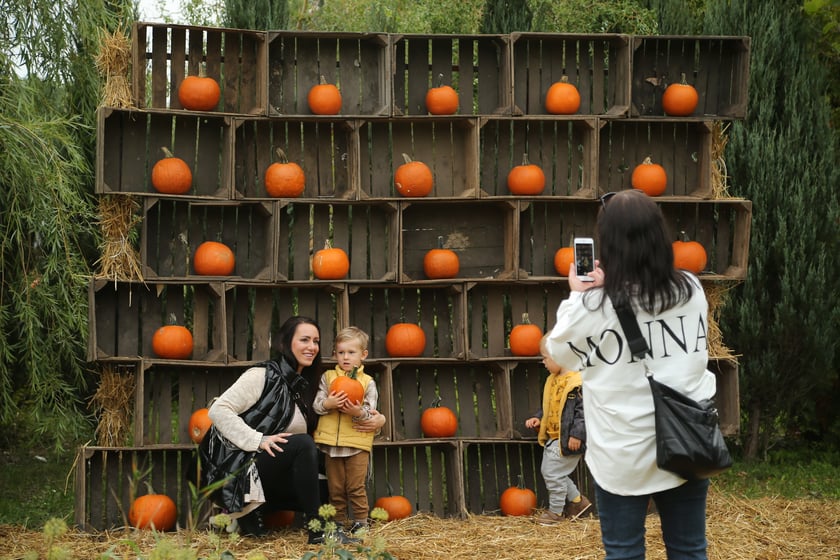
[(762, 529)]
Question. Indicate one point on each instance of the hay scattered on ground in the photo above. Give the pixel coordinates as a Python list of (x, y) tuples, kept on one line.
[(738, 529), (118, 216), (112, 403), (113, 62), (719, 177)]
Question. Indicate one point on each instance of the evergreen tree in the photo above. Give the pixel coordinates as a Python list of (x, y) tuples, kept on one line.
[(257, 14), (784, 318), (677, 17), (506, 16)]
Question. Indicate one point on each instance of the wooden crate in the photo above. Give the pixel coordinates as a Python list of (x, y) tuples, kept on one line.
[(482, 235), (597, 64), (727, 398), (545, 226), (123, 317), (173, 229), (460, 386), (103, 482), (683, 149), (130, 146), (565, 149), (527, 382), (717, 67), (429, 475), (437, 309), (368, 233), (357, 63), (255, 314), (494, 309), (722, 226), (476, 66), (448, 146), (327, 152), (165, 54)]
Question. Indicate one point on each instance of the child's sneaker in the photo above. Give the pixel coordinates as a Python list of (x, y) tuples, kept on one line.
[(582, 508), (548, 517), (357, 526)]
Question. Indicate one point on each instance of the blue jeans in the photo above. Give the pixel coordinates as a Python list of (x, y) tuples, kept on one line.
[(682, 511)]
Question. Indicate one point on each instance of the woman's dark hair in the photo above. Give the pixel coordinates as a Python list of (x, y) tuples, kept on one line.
[(310, 373), (637, 256)]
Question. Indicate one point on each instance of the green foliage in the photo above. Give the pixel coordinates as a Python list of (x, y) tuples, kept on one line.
[(824, 15), (401, 16), (784, 318), (592, 16), (257, 14), (506, 16), (332, 546), (677, 17)]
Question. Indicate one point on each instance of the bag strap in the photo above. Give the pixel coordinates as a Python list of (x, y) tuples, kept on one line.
[(637, 343)]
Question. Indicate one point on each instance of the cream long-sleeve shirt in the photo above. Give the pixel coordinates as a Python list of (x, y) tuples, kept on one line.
[(621, 452), (239, 397)]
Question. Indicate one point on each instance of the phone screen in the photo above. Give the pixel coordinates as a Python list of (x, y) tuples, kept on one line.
[(584, 258)]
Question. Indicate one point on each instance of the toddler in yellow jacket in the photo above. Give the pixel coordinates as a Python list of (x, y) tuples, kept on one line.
[(347, 451)]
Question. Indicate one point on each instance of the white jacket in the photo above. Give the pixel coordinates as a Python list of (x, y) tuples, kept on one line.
[(621, 452)]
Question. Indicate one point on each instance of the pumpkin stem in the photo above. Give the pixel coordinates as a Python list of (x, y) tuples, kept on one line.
[(167, 152), (647, 161), (525, 319), (352, 374), (440, 242), (565, 79), (323, 80), (683, 236), (407, 158), (389, 488), (327, 244), (682, 79), (525, 159), (173, 320), (520, 481), (436, 402), (440, 79), (281, 155)]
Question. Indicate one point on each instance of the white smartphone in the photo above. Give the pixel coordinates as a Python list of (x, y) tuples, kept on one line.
[(584, 257)]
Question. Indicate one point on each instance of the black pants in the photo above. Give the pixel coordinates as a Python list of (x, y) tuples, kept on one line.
[(290, 479)]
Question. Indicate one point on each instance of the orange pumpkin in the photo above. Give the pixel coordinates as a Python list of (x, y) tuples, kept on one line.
[(351, 387), (199, 424), (397, 507), (279, 518), (526, 179), (562, 98), (441, 100), (171, 175), (441, 263), (563, 259), (284, 179), (649, 177), (413, 178), (405, 340), (525, 338), (518, 500), (199, 93), (172, 342), (324, 99), (213, 259), (680, 99), (689, 255), (153, 511), (330, 263), (438, 421)]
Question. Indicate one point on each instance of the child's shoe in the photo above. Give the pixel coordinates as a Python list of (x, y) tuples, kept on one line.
[(548, 517), (357, 526), (583, 508)]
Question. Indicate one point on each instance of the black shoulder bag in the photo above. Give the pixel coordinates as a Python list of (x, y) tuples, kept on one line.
[(688, 437)]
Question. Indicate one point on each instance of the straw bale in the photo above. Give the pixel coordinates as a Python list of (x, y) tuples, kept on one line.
[(113, 61), (119, 259), (719, 177), (737, 529), (112, 403), (717, 294)]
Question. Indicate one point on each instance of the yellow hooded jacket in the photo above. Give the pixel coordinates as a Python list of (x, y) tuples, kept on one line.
[(335, 428)]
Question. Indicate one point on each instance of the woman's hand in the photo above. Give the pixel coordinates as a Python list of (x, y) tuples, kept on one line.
[(372, 424), (578, 285), (270, 444)]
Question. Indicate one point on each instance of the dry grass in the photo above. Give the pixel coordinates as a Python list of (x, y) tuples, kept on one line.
[(112, 404), (119, 260), (113, 62), (762, 529)]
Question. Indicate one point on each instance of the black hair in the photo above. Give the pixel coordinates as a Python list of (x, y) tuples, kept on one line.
[(310, 373)]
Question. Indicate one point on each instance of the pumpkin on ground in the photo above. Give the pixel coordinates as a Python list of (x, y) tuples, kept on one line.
[(438, 421), (172, 342), (441, 263), (199, 93), (562, 98), (649, 177), (413, 178), (279, 519), (680, 99), (405, 340), (525, 338), (397, 507), (350, 385), (689, 255), (153, 511), (324, 98), (199, 424), (171, 175), (284, 178), (214, 259), (442, 100), (526, 179), (330, 263), (518, 500), (563, 259)]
